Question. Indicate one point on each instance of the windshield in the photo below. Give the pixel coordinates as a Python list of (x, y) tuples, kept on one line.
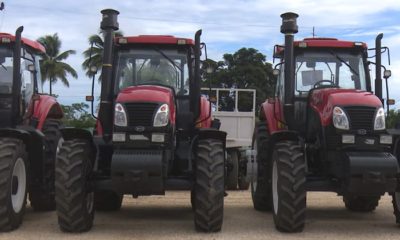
[(343, 69), (153, 66), (6, 70)]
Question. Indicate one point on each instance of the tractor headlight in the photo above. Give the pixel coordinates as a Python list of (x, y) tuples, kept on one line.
[(161, 118), (120, 116), (379, 123), (340, 119)]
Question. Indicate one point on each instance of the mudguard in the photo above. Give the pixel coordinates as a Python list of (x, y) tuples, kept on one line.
[(46, 107)]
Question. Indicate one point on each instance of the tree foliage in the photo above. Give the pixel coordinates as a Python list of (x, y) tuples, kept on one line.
[(77, 115), (94, 54), (246, 68), (53, 66), (393, 119)]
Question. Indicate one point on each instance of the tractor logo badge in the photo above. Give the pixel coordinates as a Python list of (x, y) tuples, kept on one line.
[(361, 131), (139, 129)]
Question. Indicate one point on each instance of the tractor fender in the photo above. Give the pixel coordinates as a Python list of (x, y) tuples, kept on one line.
[(207, 133), (70, 133), (16, 133), (204, 120), (46, 107)]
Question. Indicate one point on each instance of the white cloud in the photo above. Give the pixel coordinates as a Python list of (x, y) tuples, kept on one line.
[(227, 24)]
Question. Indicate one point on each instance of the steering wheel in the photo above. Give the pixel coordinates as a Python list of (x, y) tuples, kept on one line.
[(319, 84)]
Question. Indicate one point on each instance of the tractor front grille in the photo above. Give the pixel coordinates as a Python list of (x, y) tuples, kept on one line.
[(141, 114), (361, 117)]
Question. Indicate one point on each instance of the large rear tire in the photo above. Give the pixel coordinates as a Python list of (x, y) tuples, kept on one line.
[(43, 199), (361, 203), (396, 206), (13, 183), (74, 197), (107, 201), (209, 186), (261, 180), (288, 187), (233, 175)]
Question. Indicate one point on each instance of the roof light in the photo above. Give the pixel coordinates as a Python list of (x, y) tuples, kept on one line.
[(5, 40), (181, 41), (122, 40), (302, 44), (359, 44)]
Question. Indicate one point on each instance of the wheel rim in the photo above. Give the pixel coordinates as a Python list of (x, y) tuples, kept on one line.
[(60, 142), (18, 185), (275, 196), (397, 199)]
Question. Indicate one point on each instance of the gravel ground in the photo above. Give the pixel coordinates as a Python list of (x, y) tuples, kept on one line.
[(170, 217)]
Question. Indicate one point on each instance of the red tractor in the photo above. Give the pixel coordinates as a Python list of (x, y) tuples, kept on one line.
[(323, 131), (29, 131), (154, 133)]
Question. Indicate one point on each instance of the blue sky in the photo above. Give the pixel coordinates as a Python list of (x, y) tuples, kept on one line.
[(227, 26)]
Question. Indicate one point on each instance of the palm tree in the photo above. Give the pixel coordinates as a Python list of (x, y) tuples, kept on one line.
[(53, 67), (96, 50)]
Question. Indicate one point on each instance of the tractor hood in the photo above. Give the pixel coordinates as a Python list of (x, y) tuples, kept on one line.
[(149, 93), (324, 100)]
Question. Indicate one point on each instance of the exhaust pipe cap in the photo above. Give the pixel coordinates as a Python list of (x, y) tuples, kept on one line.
[(110, 19), (289, 23)]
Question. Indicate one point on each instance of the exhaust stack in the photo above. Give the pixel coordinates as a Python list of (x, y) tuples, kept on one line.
[(289, 28), (16, 88), (195, 108), (108, 25), (378, 66)]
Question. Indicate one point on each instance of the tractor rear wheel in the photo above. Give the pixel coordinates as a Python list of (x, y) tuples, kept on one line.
[(261, 179), (209, 186), (43, 198), (396, 206), (361, 203), (13, 183), (233, 175), (243, 181), (107, 201), (288, 187), (74, 198)]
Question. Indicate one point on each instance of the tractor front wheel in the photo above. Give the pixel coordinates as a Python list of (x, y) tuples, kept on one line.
[(361, 203), (107, 201), (288, 187), (13, 183), (209, 186), (74, 198)]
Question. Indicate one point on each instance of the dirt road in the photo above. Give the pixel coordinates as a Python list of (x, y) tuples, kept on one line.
[(170, 217)]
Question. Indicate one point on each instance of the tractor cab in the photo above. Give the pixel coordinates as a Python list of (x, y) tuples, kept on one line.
[(17, 90)]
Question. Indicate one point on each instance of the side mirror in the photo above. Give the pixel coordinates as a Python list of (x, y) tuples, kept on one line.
[(276, 72), (387, 74), (391, 102), (89, 98), (93, 69)]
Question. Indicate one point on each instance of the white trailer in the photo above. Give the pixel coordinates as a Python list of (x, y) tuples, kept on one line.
[(235, 108)]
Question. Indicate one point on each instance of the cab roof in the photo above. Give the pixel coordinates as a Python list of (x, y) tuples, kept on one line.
[(6, 38), (154, 39), (323, 43)]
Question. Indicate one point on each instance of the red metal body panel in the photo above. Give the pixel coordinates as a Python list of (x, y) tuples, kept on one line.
[(149, 93), (33, 44), (204, 113), (156, 39), (323, 42), (324, 100), (45, 107), (273, 115)]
